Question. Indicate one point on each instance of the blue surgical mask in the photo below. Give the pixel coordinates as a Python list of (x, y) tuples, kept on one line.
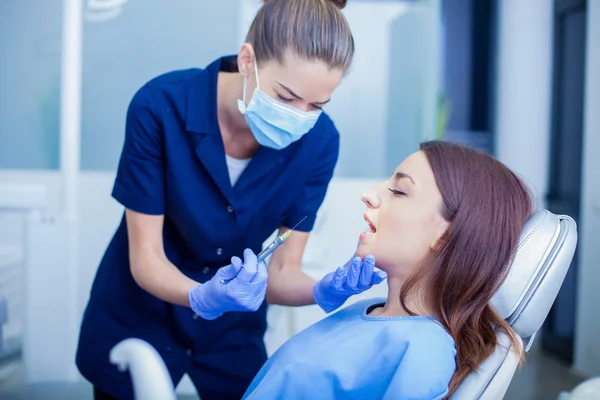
[(275, 124)]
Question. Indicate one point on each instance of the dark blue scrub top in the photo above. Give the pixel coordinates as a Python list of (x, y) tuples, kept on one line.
[(173, 163)]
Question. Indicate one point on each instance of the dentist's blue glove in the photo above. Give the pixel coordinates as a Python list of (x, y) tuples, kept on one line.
[(244, 290), (354, 277)]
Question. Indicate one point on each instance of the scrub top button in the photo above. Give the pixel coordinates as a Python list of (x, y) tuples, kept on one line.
[(206, 270), (188, 352), (219, 251), (229, 209), (195, 316)]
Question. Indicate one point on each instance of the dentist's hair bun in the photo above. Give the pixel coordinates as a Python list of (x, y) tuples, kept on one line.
[(339, 3)]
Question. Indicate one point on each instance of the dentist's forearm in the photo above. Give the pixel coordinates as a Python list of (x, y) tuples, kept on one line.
[(156, 275), (289, 286)]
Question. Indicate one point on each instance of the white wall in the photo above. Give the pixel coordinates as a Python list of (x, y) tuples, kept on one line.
[(119, 55), (587, 348), (524, 89), (414, 81), (29, 83), (51, 328), (148, 38), (359, 106)]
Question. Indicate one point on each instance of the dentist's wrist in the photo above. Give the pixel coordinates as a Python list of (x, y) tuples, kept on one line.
[(198, 303)]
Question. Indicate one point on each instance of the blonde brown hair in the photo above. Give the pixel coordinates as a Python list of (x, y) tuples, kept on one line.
[(315, 30)]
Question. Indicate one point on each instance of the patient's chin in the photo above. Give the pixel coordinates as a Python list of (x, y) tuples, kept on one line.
[(364, 250)]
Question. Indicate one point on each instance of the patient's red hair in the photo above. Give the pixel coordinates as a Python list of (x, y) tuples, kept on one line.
[(486, 205)]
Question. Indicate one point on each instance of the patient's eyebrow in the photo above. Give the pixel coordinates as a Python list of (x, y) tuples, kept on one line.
[(400, 175)]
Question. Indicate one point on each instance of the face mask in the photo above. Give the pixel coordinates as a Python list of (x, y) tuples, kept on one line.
[(273, 123)]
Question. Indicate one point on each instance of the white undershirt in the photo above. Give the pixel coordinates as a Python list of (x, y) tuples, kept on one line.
[(236, 166)]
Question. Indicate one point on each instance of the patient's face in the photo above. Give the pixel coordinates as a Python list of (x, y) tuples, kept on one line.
[(405, 218)]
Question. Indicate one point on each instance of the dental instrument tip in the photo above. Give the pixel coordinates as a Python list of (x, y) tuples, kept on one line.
[(295, 226)]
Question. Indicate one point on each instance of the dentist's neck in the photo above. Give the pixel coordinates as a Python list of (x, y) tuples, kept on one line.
[(229, 90)]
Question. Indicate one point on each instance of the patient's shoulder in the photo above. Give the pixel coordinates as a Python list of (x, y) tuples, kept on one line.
[(428, 331), (428, 363), (420, 334), (428, 340)]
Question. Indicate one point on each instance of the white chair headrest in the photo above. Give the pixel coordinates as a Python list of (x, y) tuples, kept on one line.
[(545, 251)]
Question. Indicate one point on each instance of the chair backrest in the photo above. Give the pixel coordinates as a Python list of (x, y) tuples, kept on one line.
[(545, 252)]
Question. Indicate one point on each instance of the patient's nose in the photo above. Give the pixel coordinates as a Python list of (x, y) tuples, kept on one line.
[(371, 198)]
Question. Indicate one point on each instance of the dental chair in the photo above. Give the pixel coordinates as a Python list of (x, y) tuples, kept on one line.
[(545, 251)]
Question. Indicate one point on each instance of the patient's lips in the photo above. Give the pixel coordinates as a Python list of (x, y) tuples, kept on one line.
[(371, 228)]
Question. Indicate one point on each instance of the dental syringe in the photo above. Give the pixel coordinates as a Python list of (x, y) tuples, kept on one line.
[(279, 240)]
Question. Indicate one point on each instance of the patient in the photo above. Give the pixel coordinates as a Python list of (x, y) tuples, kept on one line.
[(444, 228)]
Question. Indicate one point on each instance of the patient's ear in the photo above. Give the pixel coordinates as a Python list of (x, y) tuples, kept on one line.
[(437, 246), (441, 236)]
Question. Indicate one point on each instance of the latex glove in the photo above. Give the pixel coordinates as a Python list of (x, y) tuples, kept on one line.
[(245, 288), (354, 277)]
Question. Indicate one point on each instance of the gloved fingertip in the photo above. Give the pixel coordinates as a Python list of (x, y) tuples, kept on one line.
[(236, 261), (370, 259), (379, 277), (249, 255)]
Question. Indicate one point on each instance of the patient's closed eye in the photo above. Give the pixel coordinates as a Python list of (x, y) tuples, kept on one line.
[(397, 192)]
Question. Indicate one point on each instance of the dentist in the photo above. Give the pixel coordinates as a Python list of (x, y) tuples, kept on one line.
[(214, 161)]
